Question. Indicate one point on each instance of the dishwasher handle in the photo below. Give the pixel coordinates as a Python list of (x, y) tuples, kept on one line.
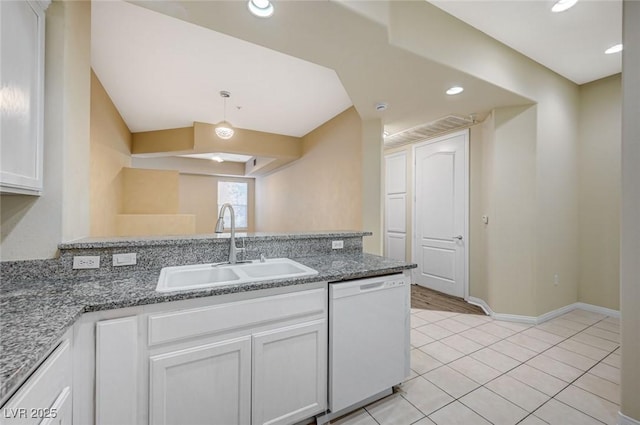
[(371, 286), (362, 286)]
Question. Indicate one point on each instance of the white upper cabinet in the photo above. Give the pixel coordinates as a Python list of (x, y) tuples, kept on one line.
[(21, 95)]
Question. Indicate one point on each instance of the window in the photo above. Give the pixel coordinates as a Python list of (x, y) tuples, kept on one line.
[(236, 194)]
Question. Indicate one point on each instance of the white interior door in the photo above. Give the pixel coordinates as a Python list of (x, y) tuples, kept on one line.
[(395, 227), (441, 212)]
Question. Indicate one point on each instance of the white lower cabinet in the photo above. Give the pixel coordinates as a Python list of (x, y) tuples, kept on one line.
[(289, 373), (260, 359), (207, 384)]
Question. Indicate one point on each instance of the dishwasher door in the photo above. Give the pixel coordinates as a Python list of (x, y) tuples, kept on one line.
[(369, 338)]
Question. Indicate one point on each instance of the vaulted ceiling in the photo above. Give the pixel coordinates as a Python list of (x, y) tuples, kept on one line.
[(164, 62)]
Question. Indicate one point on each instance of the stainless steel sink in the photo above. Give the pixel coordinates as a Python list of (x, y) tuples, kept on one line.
[(201, 276)]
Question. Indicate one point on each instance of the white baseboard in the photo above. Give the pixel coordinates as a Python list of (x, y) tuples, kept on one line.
[(480, 303), (625, 420), (555, 313), (529, 320), (598, 309), (533, 320)]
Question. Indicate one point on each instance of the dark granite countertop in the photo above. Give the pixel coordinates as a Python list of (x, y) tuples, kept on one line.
[(35, 314)]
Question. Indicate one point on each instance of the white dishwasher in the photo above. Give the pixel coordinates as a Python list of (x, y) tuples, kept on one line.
[(368, 338)]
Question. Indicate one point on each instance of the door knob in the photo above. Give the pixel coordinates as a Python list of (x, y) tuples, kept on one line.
[(459, 237)]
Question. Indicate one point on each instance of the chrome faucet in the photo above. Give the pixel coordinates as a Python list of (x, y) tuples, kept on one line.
[(233, 249)]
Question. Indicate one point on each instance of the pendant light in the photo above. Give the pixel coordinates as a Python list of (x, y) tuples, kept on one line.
[(224, 129)]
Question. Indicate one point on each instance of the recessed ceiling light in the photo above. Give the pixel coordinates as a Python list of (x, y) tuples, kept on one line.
[(455, 90), (613, 49), (260, 8), (562, 5)]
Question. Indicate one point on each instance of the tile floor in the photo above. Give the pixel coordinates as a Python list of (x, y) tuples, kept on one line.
[(473, 370)]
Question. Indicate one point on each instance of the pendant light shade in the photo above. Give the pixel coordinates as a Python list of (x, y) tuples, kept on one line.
[(224, 130)]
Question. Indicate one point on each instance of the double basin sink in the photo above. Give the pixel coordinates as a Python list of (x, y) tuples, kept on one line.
[(203, 276)]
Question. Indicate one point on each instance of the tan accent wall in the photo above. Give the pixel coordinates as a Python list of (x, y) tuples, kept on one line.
[(323, 189), (247, 142), (110, 152), (150, 191), (201, 138), (154, 224), (630, 209), (171, 140), (199, 196), (32, 227), (599, 159), (190, 165)]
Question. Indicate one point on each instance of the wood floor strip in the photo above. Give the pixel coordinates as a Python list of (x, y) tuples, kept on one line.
[(428, 299)]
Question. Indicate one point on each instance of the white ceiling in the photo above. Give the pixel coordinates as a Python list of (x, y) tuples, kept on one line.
[(158, 59), (571, 43), (164, 64), (162, 73)]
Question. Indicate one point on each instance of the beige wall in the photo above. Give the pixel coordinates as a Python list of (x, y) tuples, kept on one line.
[(372, 188), (509, 194), (630, 225), (556, 224), (599, 213), (77, 98), (199, 196), (323, 189), (479, 163), (110, 152), (32, 227)]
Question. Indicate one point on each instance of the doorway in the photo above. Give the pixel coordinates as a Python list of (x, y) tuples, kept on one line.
[(441, 214)]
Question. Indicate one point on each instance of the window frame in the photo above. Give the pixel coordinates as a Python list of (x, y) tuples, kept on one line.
[(247, 205)]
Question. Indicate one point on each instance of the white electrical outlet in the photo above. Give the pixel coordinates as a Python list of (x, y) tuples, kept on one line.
[(86, 262), (337, 244), (556, 279), (128, 259)]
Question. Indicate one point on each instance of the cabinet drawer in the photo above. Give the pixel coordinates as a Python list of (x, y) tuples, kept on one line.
[(176, 325), (47, 386)]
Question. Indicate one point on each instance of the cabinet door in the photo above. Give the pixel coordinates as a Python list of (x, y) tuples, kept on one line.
[(21, 117), (117, 371), (289, 373), (209, 384)]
